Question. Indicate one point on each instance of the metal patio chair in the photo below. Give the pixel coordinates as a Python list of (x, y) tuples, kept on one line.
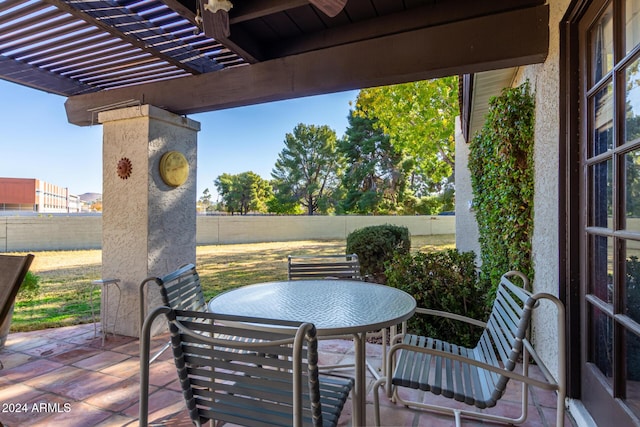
[(180, 290), (247, 371), (306, 267), (477, 376), (13, 270), (339, 267)]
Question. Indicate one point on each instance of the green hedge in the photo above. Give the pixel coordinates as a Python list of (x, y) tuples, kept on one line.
[(501, 165), (376, 245), (446, 281)]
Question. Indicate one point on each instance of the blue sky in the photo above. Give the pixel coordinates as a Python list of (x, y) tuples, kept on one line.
[(36, 141)]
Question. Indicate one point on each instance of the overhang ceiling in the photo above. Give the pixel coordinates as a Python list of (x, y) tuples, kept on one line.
[(181, 56), (483, 87)]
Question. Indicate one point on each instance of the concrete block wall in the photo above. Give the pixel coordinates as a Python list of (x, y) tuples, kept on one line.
[(19, 234), (50, 233), (213, 230)]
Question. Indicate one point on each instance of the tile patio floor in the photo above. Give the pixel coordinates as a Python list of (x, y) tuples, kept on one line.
[(65, 377)]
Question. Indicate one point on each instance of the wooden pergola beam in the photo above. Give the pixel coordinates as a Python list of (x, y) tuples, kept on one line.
[(503, 40), (247, 10)]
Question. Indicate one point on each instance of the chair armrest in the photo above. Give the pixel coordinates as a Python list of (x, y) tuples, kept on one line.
[(142, 298), (453, 316), (438, 313)]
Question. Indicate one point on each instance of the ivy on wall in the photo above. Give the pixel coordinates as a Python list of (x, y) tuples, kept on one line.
[(501, 165)]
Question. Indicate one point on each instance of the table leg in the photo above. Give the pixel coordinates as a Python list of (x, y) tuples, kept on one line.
[(359, 392)]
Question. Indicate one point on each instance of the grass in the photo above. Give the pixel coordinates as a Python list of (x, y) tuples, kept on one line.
[(66, 276)]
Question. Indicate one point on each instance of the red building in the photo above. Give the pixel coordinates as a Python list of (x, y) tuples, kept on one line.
[(34, 195)]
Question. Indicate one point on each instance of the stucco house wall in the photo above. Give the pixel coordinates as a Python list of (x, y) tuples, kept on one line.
[(544, 79), (466, 225)]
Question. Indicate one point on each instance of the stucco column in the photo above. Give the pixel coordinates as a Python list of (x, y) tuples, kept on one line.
[(148, 226)]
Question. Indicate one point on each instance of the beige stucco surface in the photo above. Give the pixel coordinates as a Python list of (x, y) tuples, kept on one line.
[(149, 228), (467, 238), (544, 79)]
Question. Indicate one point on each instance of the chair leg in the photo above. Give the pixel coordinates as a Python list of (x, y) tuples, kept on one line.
[(376, 399), (159, 353), (458, 418)]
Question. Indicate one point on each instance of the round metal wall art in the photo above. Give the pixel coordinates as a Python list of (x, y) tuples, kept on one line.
[(124, 168), (174, 168)]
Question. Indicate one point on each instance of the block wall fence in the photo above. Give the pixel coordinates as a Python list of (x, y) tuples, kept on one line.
[(19, 234)]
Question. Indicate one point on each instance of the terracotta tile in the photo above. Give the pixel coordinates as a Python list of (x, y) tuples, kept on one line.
[(32, 407), (550, 415), (117, 397), (101, 360), (161, 373), (31, 369), (174, 385), (88, 384), (511, 409), (24, 344), (327, 358), (546, 398), (118, 421), (73, 355), (79, 415), (336, 346), (50, 348), (87, 339), (15, 338), (396, 415), (115, 341), (67, 333), (18, 394), (180, 419), (12, 359), (124, 369), (54, 380), (162, 403)]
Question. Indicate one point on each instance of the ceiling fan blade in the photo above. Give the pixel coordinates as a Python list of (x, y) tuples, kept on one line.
[(329, 7)]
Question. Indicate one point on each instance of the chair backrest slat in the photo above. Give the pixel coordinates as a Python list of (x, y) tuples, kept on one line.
[(502, 341), (306, 267), (181, 289)]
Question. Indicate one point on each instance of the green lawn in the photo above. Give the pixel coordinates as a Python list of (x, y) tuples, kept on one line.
[(66, 276)]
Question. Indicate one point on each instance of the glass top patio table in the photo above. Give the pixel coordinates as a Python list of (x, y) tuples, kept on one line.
[(335, 307)]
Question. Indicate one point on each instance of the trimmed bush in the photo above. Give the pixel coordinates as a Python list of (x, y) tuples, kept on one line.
[(376, 245), (446, 281)]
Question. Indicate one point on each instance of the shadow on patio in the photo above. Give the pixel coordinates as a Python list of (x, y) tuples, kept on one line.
[(64, 376)]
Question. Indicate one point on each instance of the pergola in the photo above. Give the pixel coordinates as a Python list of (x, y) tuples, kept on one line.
[(139, 66)]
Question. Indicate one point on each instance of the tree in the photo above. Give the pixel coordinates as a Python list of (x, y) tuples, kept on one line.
[(419, 118), (375, 176), (205, 200), (244, 192), (307, 169)]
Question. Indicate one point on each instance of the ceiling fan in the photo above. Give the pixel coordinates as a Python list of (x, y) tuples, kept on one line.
[(216, 25), (329, 7)]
